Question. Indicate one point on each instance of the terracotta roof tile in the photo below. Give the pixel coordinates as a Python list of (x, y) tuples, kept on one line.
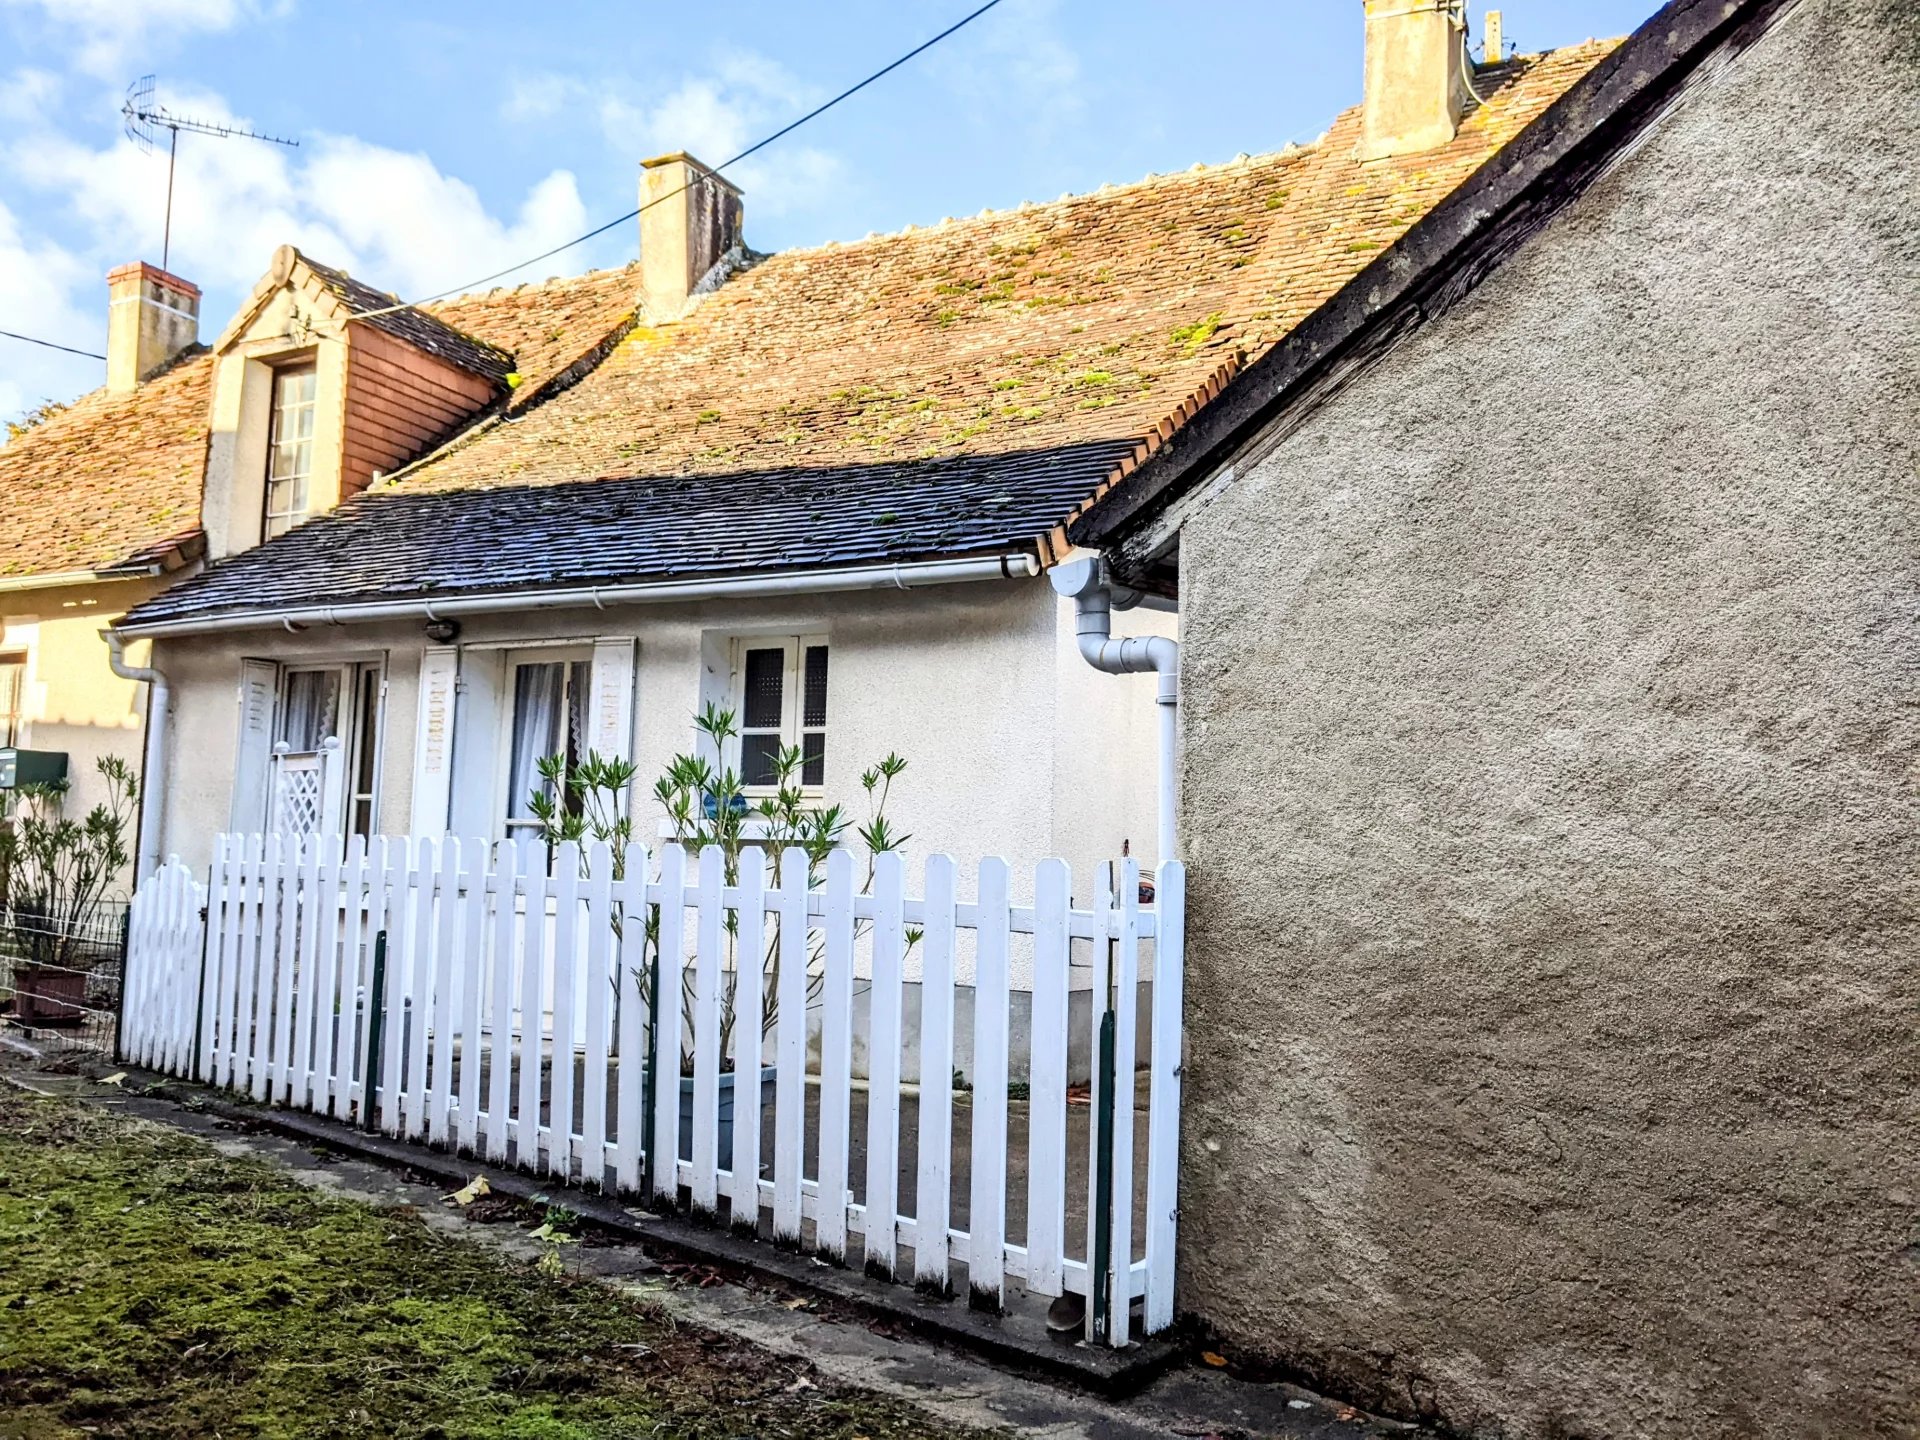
[(110, 480), (1091, 319)]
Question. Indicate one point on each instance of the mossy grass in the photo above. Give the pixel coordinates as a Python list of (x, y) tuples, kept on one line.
[(155, 1287)]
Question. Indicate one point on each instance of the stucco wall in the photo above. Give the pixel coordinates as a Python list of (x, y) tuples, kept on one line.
[(1015, 746), (1550, 801)]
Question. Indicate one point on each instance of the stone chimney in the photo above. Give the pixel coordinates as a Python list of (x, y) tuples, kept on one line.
[(690, 221), (1416, 76), (151, 317)]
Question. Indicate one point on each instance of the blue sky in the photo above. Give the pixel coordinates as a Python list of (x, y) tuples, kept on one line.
[(442, 141)]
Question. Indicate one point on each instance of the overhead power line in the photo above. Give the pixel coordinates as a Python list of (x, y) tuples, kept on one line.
[(31, 340), (752, 149)]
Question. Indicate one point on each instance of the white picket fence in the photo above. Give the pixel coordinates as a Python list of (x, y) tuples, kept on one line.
[(455, 972)]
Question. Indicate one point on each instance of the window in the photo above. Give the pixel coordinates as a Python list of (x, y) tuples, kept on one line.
[(13, 697), (341, 702), (549, 718), (780, 695), (289, 449)]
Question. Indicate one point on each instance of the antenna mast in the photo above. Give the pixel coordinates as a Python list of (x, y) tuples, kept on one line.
[(145, 120)]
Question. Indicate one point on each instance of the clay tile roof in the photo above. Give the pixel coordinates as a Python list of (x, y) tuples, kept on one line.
[(111, 480), (418, 327), (1000, 370), (1096, 318), (551, 328)]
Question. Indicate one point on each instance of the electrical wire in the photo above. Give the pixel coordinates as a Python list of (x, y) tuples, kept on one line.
[(31, 340), (752, 149)]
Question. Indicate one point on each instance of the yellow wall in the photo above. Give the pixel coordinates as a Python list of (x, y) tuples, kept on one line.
[(74, 703)]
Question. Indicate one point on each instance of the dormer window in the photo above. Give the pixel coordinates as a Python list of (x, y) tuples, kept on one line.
[(289, 449)]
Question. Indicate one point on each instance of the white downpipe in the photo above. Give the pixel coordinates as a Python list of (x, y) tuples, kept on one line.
[(598, 597), (153, 769), (1087, 584)]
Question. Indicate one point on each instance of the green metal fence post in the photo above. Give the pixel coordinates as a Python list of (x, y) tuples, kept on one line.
[(376, 1026)]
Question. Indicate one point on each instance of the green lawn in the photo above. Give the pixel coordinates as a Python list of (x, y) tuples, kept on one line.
[(152, 1287)]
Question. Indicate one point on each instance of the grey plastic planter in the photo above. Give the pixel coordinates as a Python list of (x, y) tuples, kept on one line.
[(767, 1074)]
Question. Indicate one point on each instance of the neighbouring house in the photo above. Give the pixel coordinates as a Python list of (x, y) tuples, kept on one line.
[(99, 509), (818, 487), (1554, 1013)]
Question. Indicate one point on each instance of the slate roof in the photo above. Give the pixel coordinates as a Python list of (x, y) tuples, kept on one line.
[(421, 328), (448, 542), (111, 480)]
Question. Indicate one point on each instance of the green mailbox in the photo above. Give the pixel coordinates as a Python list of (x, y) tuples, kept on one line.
[(31, 767)]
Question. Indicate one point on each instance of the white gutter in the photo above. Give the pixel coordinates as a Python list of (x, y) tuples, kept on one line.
[(153, 770), (1087, 584), (598, 597), (79, 577)]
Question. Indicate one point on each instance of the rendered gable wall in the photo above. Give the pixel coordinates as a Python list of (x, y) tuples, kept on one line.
[(1553, 1011)]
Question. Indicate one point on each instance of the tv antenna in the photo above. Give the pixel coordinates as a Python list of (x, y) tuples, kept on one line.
[(145, 119)]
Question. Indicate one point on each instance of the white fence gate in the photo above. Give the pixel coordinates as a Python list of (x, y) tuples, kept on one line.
[(440, 974)]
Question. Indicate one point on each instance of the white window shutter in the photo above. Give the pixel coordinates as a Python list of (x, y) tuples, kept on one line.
[(259, 694), (433, 740), (610, 699), (484, 712)]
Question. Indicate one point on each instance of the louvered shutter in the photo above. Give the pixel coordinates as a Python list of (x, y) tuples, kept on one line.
[(259, 694)]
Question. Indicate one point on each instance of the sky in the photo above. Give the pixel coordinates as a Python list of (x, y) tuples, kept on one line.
[(440, 142)]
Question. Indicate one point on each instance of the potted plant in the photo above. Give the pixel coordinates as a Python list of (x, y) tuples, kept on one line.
[(55, 877), (707, 804)]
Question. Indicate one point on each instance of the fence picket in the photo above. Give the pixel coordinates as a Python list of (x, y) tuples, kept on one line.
[(1163, 1091), (668, 956), (1097, 1090), (273, 1000), (987, 1209), (533, 951), (836, 1060), (327, 978), (262, 976), (566, 1004), (749, 1008), (437, 1015), (338, 1013), (1047, 1108), (499, 1017), (417, 985), (630, 1120), (593, 1070), (883, 1067), (707, 961), (314, 1016), (934, 1179), (303, 901), (1126, 1004), (790, 1050), (471, 961), (373, 923), (403, 862), (219, 879)]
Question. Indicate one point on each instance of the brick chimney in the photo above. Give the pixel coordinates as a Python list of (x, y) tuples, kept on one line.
[(1416, 84), (151, 317), (690, 220)]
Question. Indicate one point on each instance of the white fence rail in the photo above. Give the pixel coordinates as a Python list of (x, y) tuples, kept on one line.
[(498, 1005)]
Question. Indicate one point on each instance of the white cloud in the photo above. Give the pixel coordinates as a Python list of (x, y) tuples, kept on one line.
[(391, 217), (1016, 61), (112, 34), (716, 116), (38, 283)]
